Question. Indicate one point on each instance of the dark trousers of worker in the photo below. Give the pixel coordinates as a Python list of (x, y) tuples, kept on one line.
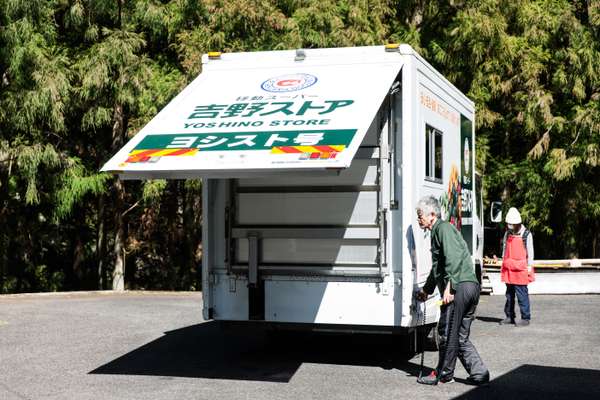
[(454, 329), (522, 296)]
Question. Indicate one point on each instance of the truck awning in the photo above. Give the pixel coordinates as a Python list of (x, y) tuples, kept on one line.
[(241, 116)]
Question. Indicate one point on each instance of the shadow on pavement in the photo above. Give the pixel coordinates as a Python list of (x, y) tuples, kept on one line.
[(488, 319), (539, 382), (205, 351)]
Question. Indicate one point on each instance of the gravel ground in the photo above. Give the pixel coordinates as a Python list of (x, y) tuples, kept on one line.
[(156, 346)]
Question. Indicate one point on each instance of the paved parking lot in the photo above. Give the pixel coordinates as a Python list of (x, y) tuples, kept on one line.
[(156, 346)]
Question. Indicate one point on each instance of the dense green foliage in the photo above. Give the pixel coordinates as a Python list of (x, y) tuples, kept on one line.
[(80, 77)]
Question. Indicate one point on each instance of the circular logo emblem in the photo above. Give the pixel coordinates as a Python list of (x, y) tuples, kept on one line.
[(288, 83)]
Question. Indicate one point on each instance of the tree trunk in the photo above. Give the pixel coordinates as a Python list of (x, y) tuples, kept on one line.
[(3, 260), (416, 17), (118, 134), (120, 18), (78, 257), (193, 234), (118, 278), (172, 211), (189, 236), (100, 243), (595, 243), (4, 215)]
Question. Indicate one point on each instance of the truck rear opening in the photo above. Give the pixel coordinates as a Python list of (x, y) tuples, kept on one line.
[(312, 163), (327, 225)]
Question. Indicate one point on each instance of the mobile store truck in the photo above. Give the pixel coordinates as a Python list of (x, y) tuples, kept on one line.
[(312, 163)]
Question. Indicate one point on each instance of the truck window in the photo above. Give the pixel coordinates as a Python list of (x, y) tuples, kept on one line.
[(433, 154)]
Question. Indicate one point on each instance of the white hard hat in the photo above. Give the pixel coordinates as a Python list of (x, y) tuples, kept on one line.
[(513, 216)]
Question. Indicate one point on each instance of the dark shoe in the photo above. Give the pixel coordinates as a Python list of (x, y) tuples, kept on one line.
[(522, 322), (507, 321), (479, 381), (446, 379)]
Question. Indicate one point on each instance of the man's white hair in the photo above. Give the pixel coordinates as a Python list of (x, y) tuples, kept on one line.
[(429, 205)]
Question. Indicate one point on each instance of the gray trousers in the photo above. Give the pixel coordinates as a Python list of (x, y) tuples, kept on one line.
[(454, 329)]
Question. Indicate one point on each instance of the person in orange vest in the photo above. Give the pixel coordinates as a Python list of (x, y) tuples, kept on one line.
[(517, 268)]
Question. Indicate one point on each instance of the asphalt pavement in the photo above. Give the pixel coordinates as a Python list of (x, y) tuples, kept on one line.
[(157, 346)]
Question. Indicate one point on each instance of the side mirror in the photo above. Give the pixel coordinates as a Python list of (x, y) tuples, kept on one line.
[(496, 211)]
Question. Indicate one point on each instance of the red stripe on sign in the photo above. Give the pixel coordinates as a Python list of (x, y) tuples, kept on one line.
[(135, 159), (315, 155), (179, 152), (289, 149), (325, 149), (142, 154)]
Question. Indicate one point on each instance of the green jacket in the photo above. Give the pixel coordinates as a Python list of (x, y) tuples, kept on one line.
[(450, 258)]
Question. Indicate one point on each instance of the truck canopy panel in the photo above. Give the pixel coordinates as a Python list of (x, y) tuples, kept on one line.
[(249, 114)]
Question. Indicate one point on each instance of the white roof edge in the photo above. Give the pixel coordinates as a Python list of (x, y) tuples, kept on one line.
[(277, 58), (343, 55), (407, 50)]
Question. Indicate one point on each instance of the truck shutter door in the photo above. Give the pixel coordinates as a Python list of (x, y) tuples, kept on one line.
[(312, 225)]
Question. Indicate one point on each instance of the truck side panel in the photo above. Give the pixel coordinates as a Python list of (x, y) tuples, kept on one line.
[(434, 164)]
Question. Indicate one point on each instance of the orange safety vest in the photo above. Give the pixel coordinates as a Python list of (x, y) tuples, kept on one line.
[(514, 263)]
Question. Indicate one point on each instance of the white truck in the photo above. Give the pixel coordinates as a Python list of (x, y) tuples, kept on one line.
[(312, 163)]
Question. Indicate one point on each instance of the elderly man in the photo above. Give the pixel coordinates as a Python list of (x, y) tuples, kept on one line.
[(453, 273)]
